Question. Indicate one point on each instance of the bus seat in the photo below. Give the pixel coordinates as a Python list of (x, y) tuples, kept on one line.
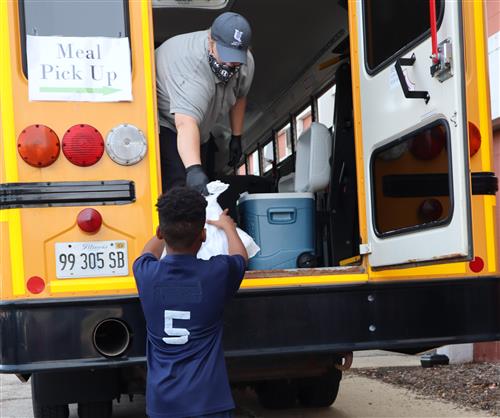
[(286, 183), (312, 159)]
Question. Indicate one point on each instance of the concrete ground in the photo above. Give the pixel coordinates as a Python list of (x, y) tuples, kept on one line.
[(358, 397)]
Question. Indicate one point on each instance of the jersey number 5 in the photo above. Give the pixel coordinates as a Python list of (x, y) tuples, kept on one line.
[(176, 336)]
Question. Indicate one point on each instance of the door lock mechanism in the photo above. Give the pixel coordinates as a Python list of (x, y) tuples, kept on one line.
[(443, 69)]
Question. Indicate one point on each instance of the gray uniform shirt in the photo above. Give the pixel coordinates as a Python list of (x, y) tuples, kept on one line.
[(186, 84)]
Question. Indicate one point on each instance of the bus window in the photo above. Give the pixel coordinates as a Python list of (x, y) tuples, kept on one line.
[(284, 142), (394, 26), (303, 120), (267, 156), (72, 18), (325, 107), (253, 163), (242, 170), (411, 180)]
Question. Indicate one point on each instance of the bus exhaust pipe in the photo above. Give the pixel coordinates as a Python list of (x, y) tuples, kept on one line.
[(111, 337)]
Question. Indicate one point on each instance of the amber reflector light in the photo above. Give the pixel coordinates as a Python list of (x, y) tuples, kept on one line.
[(38, 145), (89, 220), (474, 139), (476, 265), (83, 145), (35, 285)]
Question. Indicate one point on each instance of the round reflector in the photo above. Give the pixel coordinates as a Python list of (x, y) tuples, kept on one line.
[(476, 265), (89, 220), (474, 139), (428, 144), (38, 145), (430, 210), (35, 285), (126, 144), (83, 145)]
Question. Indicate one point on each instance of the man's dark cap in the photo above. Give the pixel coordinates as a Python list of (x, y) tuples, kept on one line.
[(232, 34)]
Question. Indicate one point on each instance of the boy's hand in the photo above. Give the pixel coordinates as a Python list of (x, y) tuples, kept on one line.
[(225, 222)]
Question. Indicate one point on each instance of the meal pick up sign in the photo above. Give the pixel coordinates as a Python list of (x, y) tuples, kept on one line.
[(80, 69)]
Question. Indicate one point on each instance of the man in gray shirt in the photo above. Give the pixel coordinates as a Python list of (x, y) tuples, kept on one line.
[(201, 77)]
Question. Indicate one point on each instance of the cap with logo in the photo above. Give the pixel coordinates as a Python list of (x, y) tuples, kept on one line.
[(232, 34)]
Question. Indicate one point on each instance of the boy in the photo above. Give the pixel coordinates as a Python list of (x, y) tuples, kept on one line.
[(183, 300)]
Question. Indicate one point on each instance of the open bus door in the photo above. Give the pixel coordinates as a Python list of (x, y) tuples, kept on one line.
[(414, 130)]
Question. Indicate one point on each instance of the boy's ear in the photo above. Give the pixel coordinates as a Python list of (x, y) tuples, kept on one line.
[(159, 235), (203, 234)]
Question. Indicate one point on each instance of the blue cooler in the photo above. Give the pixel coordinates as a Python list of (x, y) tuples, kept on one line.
[(282, 224)]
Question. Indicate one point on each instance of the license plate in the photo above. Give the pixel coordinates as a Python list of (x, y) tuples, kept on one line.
[(91, 259)]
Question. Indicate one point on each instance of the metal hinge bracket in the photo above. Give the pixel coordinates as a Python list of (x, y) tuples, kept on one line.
[(365, 249)]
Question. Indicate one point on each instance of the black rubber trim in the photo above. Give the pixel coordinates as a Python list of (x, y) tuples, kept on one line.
[(434, 184), (66, 193)]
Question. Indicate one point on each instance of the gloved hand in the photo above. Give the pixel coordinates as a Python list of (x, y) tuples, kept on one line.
[(234, 150), (197, 179)]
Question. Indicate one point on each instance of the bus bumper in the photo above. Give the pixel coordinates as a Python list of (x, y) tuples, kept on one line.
[(276, 327)]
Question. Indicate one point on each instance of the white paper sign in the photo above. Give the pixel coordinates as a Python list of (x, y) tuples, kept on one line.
[(81, 69)]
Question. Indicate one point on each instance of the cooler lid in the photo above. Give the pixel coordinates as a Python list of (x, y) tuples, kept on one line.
[(273, 196)]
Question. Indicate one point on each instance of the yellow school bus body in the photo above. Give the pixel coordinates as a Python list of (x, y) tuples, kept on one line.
[(28, 237)]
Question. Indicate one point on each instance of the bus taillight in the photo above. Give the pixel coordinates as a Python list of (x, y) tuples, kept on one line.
[(89, 220), (35, 285), (476, 265), (474, 139), (126, 144), (430, 210), (38, 145), (83, 145)]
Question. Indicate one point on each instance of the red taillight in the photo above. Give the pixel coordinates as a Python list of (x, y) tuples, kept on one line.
[(430, 210), (38, 145), (83, 145), (428, 144), (89, 220), (476, 265), (35, 285), (474, 139)]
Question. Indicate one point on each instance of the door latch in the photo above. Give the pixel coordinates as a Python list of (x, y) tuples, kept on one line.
[(443, 69)]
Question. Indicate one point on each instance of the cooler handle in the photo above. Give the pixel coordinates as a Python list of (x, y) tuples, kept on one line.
[(281, 216)]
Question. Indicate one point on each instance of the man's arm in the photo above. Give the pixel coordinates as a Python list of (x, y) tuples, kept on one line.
[(237, 115), (188, 139)]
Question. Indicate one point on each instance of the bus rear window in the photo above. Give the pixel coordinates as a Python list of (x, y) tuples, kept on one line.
[(72, 18), (412, 182), (392, 27)]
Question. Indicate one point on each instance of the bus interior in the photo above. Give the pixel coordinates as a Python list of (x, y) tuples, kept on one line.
[(302, 76)]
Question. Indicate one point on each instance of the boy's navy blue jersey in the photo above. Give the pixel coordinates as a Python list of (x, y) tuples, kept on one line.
[(183, 299)]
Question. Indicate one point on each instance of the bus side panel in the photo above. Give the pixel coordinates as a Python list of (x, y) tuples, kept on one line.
[(478, 114)]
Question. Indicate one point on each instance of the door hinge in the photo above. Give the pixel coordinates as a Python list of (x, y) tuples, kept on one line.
[(443, 69), (365, 249)]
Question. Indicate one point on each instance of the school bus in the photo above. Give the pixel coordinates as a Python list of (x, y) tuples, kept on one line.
[(406, 253)]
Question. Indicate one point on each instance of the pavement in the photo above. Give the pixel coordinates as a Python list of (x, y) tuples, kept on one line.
[(379, 358), (358, 397)]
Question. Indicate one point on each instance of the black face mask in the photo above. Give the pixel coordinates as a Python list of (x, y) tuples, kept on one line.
[(222, 71)]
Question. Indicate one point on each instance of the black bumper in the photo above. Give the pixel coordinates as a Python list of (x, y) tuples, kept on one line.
[(50, 335)]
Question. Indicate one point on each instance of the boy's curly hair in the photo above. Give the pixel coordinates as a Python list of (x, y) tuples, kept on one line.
[(182, 213)]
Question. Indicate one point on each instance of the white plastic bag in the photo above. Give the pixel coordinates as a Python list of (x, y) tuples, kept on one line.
[(216, 242)]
